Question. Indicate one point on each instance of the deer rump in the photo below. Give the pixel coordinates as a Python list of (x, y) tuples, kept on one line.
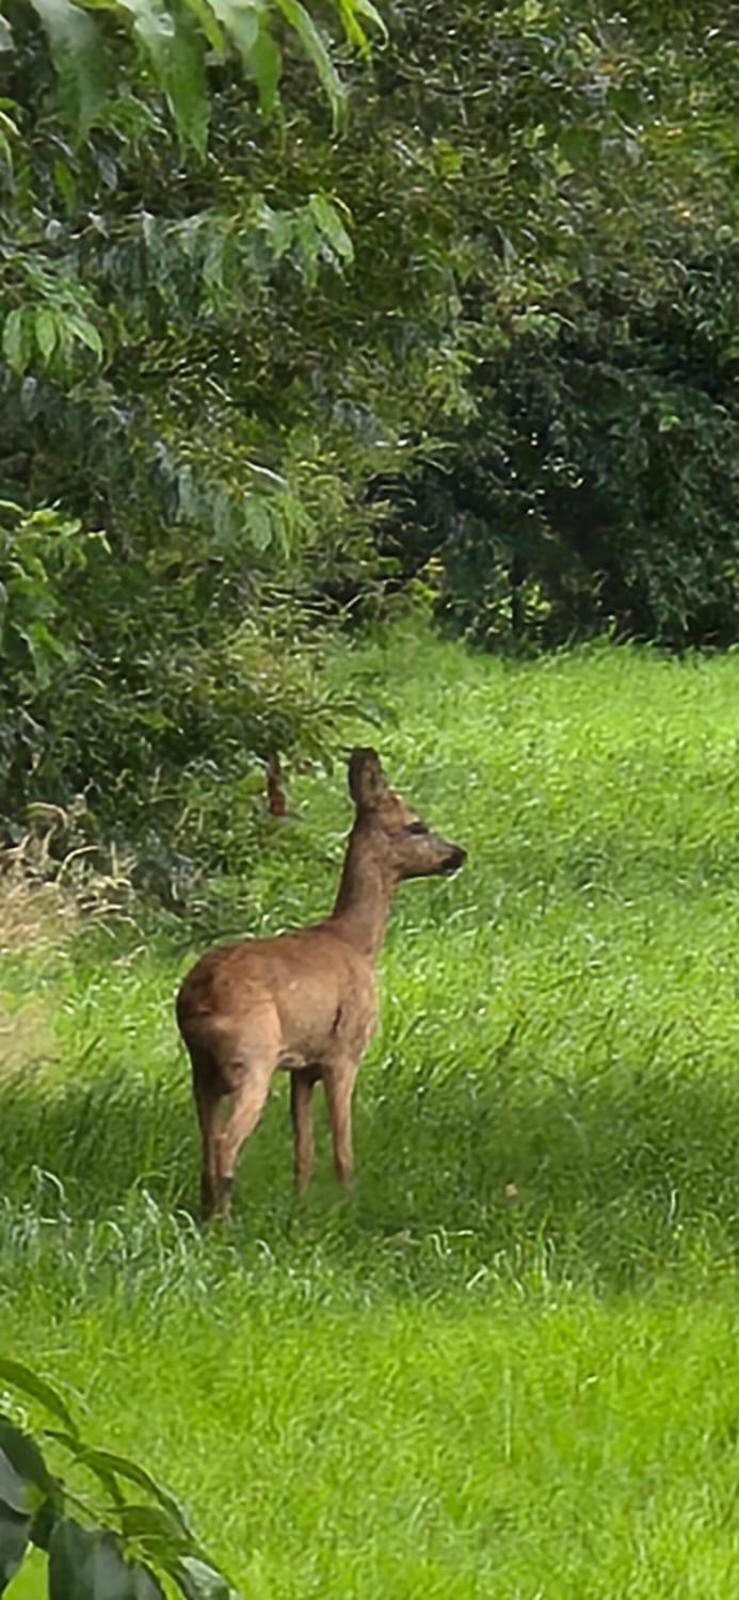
[(302, 999)]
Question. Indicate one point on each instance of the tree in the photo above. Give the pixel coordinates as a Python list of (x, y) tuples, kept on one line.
[(149, 467), (484, 338), (577, 170)]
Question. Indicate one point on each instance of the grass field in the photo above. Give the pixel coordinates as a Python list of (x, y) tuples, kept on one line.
[(505, 1367)]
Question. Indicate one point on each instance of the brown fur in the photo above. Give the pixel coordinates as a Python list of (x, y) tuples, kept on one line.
[(304, 1001)]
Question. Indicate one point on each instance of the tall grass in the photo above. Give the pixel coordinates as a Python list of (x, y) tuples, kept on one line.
[(497, 1369)]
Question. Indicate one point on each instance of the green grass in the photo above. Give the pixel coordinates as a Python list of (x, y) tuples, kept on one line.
[(503, 1367)]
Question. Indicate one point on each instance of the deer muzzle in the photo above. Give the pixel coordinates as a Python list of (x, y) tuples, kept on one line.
[(456, 859)]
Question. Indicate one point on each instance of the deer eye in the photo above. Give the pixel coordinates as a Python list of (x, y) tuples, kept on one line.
[(416, 827)]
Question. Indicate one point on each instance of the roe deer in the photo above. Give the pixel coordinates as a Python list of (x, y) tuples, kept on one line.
[(306, 1001)]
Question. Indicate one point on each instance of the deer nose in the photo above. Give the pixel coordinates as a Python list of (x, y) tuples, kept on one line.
[(455, 859)]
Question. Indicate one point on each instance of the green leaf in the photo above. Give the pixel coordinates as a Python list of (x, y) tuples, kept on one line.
[(25, 1458), (265, 65), (6, 37), (365, 8), (351, 11), (199, 1581), (23, 1378), (13, 1541), (87, 334), (257, 522), (316, 50), (185, 85), (308, 240), (44, 1521), (79, 57), (205, 15), (8, 132), (331, 226), (155, 28), (145, 1585), (26, 1485), (352, 26), (66, 185), (217, 263), (156, 1527), (105, 1462), (16, 341), (87, 1564), (241, 21), (14, 1491), (46, 333), (46, 651), (175, 49), (278, 226)]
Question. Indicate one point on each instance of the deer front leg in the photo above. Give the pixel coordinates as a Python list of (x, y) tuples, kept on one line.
[(302, 1082), (339, 1080)]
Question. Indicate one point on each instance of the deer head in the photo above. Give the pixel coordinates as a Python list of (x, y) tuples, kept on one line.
[(400, 839)]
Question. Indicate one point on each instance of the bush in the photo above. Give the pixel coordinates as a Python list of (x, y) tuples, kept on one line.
[(122, 1549)]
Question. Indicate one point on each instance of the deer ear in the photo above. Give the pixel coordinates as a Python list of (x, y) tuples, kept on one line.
[(367, 782)]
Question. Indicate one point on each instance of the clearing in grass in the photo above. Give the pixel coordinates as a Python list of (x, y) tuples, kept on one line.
[(503, 1365)]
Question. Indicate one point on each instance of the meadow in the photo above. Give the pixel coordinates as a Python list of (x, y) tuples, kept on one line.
[(504, 1366)]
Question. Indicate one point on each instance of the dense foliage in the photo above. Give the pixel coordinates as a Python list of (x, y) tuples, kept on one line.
[(486, 338), (161, 481), (579, 171), (135, 1542)]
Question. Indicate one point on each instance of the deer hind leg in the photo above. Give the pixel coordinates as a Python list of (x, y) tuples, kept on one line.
[(249, 1097), (339, 1082), (207, 1098), (302, 1082)]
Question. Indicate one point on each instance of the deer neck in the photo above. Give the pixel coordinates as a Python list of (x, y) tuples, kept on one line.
[(363, 901)]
